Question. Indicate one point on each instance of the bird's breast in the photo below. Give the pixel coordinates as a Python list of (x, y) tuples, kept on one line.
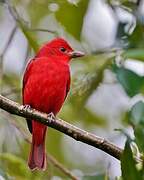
[(46, 87)]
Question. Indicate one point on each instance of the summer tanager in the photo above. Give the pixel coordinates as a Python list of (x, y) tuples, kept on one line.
[(46, 83)]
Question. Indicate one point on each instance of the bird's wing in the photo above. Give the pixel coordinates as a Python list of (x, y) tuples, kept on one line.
[(25, 79), (26, 75), (67, 86)]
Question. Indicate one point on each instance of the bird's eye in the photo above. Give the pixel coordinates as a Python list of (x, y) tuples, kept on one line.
[(62, 49)]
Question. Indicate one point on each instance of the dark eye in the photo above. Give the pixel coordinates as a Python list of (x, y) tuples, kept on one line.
[(62, 49)]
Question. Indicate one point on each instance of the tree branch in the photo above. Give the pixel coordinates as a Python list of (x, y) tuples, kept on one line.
[(62, 126)]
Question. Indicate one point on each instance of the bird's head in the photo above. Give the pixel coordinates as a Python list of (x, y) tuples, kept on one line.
[(59, 49)]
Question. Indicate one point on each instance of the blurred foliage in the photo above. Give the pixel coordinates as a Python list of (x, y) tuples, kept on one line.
[(128, 164), (137, 120), (131, 82), (73, 20), (88, 74), (134, 54)]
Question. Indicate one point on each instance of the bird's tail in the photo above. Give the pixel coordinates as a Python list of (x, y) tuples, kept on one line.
[(37, 157)]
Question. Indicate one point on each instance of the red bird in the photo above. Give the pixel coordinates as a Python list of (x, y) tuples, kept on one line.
[(46, 83)]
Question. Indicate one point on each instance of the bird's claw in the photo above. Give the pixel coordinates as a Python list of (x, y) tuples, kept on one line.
[(51, 116), (25, 107)]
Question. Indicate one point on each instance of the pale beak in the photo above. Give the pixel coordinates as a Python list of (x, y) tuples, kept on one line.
[(75, 54)]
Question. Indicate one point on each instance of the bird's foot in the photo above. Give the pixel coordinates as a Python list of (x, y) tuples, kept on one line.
[(51, 116), (25, 107)]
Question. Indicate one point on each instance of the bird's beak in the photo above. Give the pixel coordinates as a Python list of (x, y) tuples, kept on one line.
[(75, 54)]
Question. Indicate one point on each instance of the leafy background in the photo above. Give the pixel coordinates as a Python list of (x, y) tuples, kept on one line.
[(106, 96)]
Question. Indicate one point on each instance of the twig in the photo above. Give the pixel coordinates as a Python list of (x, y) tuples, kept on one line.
[(43, 30), (9, 40), (60, 167), (22, 22), (3, 53), (62, 126), (57, 164), (13, 11)]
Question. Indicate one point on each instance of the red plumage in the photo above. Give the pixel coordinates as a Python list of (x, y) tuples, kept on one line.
[(46, 83)]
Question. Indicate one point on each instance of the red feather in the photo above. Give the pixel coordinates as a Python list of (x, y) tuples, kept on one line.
[(46, 83)]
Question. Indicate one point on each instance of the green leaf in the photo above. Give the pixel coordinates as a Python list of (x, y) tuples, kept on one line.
[(136, 117), (139, 137), (137, 113), (137, 37), (134, 53), (71, 16), (128, 165), (131, 82)]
